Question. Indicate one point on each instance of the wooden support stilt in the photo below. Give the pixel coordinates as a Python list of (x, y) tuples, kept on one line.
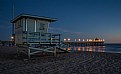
[(28, 53), (55, 51)]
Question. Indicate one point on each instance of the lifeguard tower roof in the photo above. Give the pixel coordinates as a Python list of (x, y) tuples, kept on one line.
[(33, 17)]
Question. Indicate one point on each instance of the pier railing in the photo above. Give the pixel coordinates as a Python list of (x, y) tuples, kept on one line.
[(84, 43)]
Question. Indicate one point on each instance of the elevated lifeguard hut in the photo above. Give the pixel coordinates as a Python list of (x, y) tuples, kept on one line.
[(32, 31)]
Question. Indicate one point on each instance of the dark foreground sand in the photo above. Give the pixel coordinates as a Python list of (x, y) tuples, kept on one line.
[(64, 63)]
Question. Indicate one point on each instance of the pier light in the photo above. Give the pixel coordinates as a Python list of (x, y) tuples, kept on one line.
[(69, 39), (83, 40), (87, 39), (75, 40), (103, 40), (99, 40), (12, 37), (90, 39), (94, 39), (64, 39), (79, 39)]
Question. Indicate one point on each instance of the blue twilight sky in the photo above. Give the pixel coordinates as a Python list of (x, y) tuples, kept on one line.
[(76, 18)]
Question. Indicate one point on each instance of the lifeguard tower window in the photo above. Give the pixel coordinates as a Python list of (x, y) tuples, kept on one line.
[(43, 35), (42, 26)]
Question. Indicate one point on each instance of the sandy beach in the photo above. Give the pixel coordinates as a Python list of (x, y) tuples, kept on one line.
[(81, 62)]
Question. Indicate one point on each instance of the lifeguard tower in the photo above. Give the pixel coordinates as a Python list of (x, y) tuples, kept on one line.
[(32, 32)]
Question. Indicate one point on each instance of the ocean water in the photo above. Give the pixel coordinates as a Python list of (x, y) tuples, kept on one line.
[(112, 48)]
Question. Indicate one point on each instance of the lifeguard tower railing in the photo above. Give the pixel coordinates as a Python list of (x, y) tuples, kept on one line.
[(40, 38), (36, 40)]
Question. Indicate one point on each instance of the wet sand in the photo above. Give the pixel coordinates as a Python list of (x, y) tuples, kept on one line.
[(64, 63)]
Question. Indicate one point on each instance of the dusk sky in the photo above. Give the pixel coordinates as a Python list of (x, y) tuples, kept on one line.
[(75, 18)]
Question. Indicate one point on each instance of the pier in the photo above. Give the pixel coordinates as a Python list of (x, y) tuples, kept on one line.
[(88, 42)]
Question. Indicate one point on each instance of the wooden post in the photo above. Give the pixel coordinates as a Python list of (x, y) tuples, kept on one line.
[(55, 51), (39, 37), (59, 39), (28, 53), (67, 46), (27, 35), (50, 38)]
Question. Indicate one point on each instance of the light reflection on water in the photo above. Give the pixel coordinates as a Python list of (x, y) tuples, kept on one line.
[(113, 48), (88, 48)]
